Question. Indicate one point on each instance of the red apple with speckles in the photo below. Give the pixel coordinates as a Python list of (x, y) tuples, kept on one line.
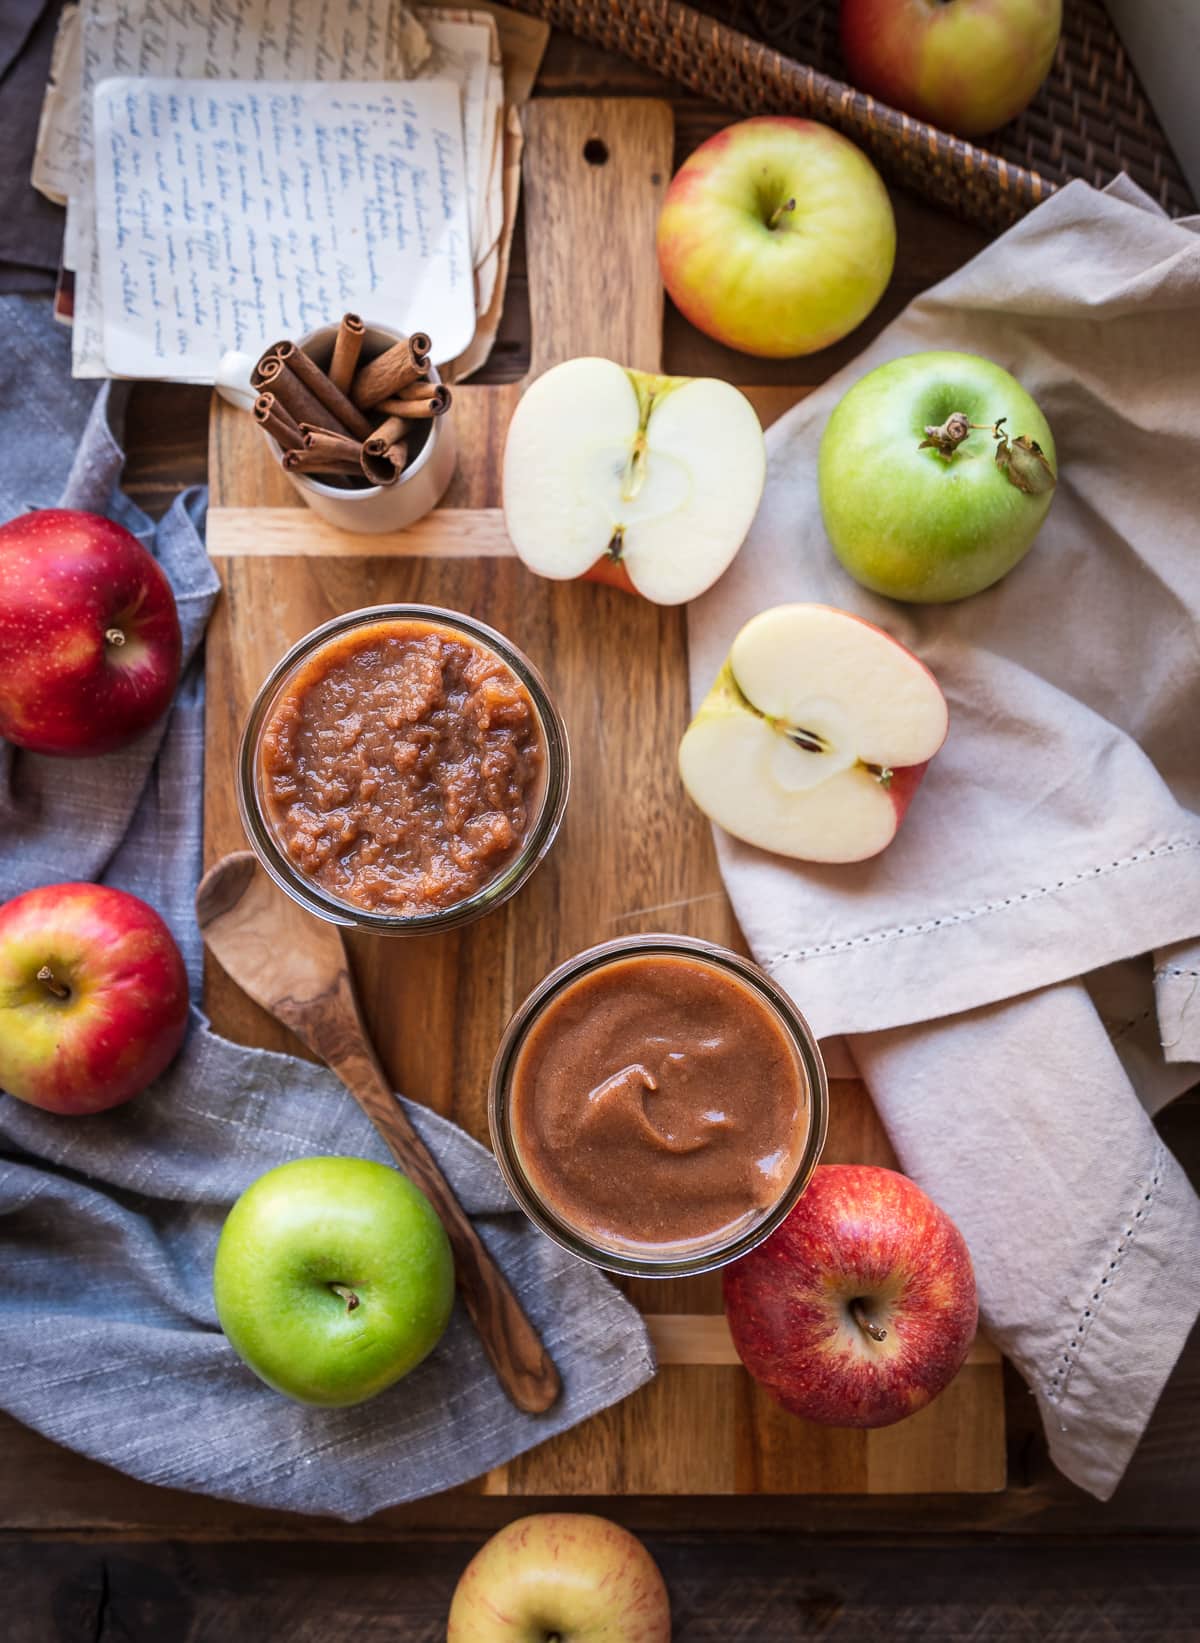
[(776, 237), (861, 1307), (964, 65), (93, 997), (90, 644), (561, 1577)]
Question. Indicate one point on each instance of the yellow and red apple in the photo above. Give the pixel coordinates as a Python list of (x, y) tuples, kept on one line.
[(861, 1307), (966, 66), (561, 1577), (93, 997), (89, 635), (815, 735), (776, 237)]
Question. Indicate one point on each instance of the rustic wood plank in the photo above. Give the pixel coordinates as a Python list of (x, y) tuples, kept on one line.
[(771, 1591), (448, 533), (595, 174)]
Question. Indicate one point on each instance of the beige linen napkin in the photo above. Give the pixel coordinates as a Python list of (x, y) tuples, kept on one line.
[(1057, 834)]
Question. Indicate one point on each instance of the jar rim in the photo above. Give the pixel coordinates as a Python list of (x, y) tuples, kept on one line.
[(512, 876), (637, 1262)]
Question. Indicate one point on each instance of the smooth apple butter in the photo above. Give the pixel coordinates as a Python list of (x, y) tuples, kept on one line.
[(401, 766), (658, 1101)]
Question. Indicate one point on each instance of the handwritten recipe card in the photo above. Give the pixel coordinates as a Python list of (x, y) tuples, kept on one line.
[(238, 211)]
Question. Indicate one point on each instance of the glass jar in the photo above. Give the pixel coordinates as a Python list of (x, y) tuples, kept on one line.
[(634, 1259), (539, 835)]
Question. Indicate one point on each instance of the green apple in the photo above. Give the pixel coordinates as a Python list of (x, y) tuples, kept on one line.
[(936, 472), (333, 1278), (776, 237), (561, 1577)]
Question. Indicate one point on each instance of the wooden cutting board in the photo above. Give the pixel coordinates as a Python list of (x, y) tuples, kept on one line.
[(633, 854)]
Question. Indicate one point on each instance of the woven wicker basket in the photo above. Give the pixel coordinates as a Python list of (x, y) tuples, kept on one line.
[(1091, 118)]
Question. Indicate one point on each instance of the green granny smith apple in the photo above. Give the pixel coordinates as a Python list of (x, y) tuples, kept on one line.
[(333, 1278), (936, 472)]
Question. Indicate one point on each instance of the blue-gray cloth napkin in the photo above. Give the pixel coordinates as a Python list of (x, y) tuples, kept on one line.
[(108, 1336)]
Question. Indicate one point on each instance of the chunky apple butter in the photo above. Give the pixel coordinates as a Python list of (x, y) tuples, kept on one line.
[(401, 766), (658, 1101)]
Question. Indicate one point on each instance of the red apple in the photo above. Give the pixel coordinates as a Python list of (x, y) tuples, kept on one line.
[(561, 1577), (964, 65), (89, 635), (93, 997), (860, 1308)]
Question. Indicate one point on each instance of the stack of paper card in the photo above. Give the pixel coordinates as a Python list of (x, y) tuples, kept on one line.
[(250, 172)]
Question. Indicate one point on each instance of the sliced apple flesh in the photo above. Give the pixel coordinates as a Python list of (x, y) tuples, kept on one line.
[(815, 735), (647, 482)]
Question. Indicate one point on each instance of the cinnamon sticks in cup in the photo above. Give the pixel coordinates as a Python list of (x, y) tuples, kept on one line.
[(352, 422)]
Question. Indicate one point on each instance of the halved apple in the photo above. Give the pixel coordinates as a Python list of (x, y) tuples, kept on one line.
[(647, 482), (815, 735)]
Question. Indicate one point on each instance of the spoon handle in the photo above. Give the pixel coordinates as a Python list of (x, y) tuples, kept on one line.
[(521, 1362)]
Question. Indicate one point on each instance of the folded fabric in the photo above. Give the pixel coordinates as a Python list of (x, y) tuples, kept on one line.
[(1058, 830), (108, 1337)]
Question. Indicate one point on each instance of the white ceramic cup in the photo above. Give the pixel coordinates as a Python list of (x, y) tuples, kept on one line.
[(371, 508)]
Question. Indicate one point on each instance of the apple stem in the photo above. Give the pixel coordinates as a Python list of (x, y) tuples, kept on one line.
[(859, 1314), (781, 210), (114, 637), (51, 982), (347, 1294)]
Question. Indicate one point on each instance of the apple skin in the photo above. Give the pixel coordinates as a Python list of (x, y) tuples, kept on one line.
[(126, 1012), (788, 290), (910, 523), (562, 1575), (68, 580), (318, 1222), (859, 1232), (967, 66)]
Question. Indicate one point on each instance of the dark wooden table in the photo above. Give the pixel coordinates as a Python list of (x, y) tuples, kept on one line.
[(89, 1556)]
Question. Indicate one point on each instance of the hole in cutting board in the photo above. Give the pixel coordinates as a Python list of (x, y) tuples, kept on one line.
[(595, 152)]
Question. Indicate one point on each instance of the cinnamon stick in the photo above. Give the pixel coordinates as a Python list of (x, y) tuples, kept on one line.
[(391, 372), (346, 350), (348, 417), (385, 467), (337, 447), (269, 414), (302, 461), (301, 405), (387, 433), (419, 403), (264, 370)]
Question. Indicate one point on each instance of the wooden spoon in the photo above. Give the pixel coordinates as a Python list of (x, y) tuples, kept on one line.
[(294, 965)]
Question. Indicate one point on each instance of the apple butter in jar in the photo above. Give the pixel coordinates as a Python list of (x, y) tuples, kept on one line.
[(403, 769), (658, 1105)]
